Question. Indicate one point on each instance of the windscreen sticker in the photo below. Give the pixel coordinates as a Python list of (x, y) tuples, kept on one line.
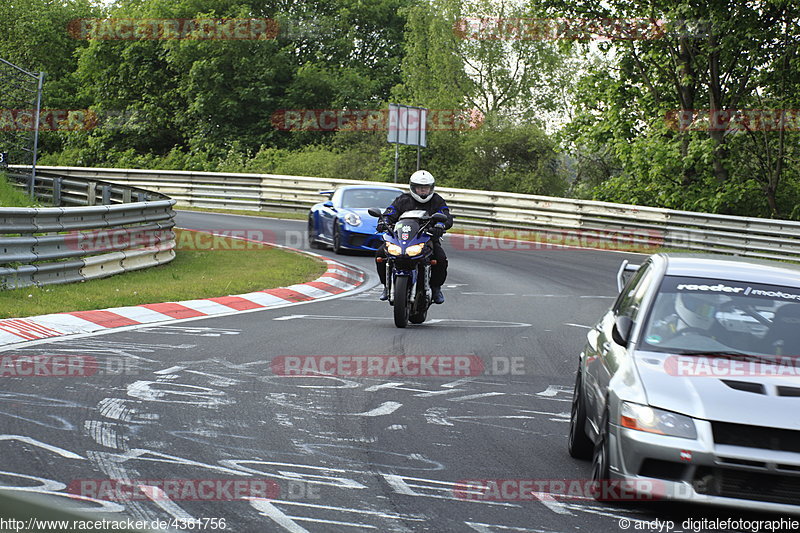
[(695, 285)]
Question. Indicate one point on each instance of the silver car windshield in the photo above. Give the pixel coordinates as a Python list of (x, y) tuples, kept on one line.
[(697, 314)]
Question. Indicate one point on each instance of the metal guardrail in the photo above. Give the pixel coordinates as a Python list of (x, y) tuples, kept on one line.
[(527, 216), (97, 229)]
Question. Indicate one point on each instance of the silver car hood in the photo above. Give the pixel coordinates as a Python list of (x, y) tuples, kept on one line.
[(711, 398)]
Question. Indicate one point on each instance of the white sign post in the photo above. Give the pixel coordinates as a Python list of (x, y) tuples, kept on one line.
[(407, 126)]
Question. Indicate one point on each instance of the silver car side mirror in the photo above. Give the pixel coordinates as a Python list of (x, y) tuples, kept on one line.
[(621, 331)]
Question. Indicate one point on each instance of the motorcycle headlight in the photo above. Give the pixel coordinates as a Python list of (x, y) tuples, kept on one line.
[(652, 420), (393, 249), (352, 219), (415, 250)]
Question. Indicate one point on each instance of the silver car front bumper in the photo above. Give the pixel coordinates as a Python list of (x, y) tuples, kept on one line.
[(700, 471)]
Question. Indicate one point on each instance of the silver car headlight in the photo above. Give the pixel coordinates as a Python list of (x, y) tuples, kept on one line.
[(352, 219), (393, 249), (415, 250), (652, 420)]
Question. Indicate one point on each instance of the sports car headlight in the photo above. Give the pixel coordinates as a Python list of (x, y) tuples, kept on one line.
[(393, 249), (415, 250), (652, 420), (352, 219)]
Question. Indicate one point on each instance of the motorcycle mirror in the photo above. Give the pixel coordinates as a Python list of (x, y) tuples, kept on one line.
[(439, 217), (374, 212)]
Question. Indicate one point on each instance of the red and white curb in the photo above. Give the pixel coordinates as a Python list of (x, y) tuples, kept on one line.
[(337, 279)]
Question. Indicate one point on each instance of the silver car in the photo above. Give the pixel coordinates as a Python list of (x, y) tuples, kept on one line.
[(689, 387)]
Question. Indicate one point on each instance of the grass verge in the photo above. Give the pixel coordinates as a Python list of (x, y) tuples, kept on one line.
[(11, 196), (232, 267), (265, 214)]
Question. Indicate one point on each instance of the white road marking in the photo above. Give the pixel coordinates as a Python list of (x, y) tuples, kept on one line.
[(436, 416), (399, 386), (177, 393), (552, 390), (457, 383), (104, 434), (475, 396), (452, 321), (577, 325), (491, 528), (188, 330), (270, 511), (489, 293), (401, 485), (546, 413), (383, 386), (289, 523), (381, 514), (436, 393), (551, 503), (386, 408), (160, 498), (170, 370)]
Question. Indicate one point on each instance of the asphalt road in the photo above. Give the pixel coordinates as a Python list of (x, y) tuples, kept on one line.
[(200, 400)]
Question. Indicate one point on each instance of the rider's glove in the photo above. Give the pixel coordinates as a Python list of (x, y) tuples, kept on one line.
[(382, 227), (437, 230)]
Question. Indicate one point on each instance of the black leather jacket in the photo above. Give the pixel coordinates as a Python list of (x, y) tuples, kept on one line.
[(406, 202)]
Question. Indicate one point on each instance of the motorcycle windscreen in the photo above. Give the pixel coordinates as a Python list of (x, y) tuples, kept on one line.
[(406, 229)]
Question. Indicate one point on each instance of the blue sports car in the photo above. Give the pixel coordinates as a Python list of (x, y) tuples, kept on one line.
[(343, 223)]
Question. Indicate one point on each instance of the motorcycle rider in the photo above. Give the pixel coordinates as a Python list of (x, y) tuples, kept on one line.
[(420, 196)]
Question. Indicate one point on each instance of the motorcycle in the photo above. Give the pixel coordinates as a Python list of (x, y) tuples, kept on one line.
[(409, 253)]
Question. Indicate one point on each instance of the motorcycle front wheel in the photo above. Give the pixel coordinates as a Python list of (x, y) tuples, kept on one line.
[(401, 301), (418, 318)]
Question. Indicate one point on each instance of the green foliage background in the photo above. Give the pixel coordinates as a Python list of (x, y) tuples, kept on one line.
[(570, 117)]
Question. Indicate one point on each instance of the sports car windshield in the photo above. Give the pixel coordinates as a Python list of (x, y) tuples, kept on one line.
[(366, 198), (708, 315)]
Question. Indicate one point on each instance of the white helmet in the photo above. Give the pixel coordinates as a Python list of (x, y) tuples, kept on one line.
[(421, 178), (697, 311)]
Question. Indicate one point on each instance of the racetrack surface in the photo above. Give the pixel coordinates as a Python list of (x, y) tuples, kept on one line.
[(200, 400)]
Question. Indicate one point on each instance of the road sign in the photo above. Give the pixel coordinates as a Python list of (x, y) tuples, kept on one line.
[(407, 125)]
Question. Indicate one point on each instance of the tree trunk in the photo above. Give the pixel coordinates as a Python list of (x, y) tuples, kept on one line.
[(717, 127)]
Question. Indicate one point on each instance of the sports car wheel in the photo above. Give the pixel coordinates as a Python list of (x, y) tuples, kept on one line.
[(600, 468), (337, 240), (579, 444), (312, 236)]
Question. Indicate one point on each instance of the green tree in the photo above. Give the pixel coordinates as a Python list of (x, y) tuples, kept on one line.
[(719, 55)]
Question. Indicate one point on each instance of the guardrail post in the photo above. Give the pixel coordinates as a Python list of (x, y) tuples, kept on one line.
[(141, 196), (126, 195), (106, 194), (91, 193), (57, 192)]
